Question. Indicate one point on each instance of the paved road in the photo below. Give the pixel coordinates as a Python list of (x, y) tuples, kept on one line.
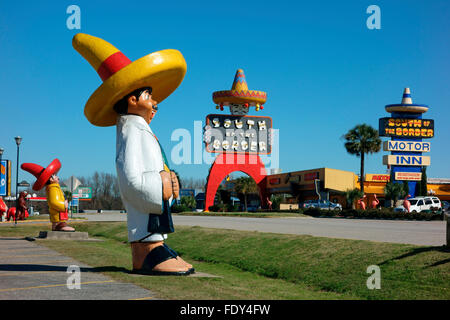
[(430, 233), (29, 271)]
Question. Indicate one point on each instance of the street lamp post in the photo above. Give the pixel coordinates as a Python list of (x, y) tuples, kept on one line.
[(18, 141)]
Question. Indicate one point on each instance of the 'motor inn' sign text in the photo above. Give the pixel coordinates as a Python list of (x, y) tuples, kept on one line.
[(409, 146), (403, 160)]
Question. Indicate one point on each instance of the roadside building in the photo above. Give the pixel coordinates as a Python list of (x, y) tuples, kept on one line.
[(326, 183), (439, 187), (331, 184)]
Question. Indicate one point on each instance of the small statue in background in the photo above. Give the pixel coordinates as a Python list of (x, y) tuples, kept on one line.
[(22, 209), (57, 205), (269, 203), (375, 202), (11, 214), (361, 203), (406, 203), (3, 209)]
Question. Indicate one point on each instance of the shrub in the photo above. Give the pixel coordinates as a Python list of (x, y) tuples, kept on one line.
[(217, 208), (188, 201), (382, 213), (232, 208), (329, 213), (313, 212), (176, 208), (349, 213)]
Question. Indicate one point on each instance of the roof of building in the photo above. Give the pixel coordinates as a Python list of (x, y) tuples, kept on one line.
[(438, 180)]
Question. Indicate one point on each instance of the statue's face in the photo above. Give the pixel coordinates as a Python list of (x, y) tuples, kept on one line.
[(145, 101), (144, 106), (238, 109), (54, 179)]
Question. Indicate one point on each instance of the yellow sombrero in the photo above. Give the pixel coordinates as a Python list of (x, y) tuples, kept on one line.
[(162, 70), (239, 93)]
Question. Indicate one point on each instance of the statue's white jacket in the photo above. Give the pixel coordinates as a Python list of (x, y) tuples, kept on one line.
[(138, 164)]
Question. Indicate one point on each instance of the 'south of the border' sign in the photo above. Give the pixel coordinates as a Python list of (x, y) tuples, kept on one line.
[(238, 134), (410, 146), (404, 160), (406, 128)]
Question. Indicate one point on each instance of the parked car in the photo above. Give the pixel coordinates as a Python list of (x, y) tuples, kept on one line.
[(321, 204), (419, 204), (251, 208), (445, 206)]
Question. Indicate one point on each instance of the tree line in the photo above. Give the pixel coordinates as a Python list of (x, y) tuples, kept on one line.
[(105, 192)]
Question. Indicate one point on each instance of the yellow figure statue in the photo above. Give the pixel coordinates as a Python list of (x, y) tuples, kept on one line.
[(55, 197)]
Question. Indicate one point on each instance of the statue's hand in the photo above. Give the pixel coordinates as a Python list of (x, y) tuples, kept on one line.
[(166, 184), (175, 184)]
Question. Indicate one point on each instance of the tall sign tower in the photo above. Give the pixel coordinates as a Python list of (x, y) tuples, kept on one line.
[(237, 138), (407, 130)]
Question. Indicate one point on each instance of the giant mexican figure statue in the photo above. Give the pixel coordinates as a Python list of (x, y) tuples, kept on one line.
[(128, 98), (57, 205)]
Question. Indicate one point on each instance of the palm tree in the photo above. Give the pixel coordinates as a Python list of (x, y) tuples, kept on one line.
[(351, 195), (394, 191), (245, 186), (360, 140), (422, 185)]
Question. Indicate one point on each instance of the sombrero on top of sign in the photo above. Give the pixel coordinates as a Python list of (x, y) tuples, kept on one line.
[(239, 94), (407, 105), (162, 70)]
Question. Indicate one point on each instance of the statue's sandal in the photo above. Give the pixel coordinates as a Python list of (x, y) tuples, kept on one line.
[(175, 255), (60, 226), (156, 256)]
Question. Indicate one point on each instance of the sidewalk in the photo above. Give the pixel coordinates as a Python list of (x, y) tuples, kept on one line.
[(29, 271)]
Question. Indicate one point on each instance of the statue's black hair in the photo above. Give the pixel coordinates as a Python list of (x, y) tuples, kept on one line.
[(121, 106)]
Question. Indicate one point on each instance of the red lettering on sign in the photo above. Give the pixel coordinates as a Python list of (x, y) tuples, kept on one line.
[(274, 181), (311, 176)]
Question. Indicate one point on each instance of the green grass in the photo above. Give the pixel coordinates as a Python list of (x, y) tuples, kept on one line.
[(47, 218), (257, 265)]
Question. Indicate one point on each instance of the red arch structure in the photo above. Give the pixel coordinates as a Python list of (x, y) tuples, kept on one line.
[(227, 163)]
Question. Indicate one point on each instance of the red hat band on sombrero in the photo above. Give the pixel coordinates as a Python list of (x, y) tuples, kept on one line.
[(42, 174), (112, 64), (103, 56)]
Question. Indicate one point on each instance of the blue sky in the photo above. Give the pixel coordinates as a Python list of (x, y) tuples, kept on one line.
[(323, 69)]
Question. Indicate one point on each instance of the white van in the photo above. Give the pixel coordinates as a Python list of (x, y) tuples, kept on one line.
[(419, 204)]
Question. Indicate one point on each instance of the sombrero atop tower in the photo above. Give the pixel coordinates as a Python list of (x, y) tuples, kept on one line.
[(239, 93), (407, 105), (162, 70)]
